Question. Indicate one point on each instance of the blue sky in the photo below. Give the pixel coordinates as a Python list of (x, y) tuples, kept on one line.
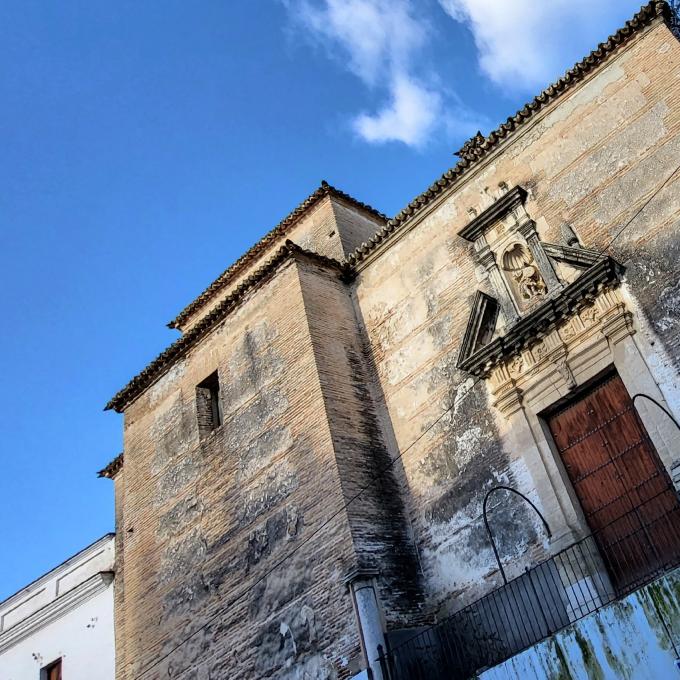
[(145, 146)]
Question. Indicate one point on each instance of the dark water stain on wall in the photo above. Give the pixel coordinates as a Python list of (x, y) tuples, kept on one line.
[(280, 527)]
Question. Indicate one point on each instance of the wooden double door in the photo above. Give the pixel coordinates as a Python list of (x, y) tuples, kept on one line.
[(625, 492)]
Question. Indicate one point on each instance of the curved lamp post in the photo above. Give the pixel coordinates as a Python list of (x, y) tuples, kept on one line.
[(654, 401), (488, 529)]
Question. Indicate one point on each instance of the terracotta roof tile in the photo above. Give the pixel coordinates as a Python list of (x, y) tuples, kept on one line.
[(181, 346), (479, 146), (113, 468), (276, 233)]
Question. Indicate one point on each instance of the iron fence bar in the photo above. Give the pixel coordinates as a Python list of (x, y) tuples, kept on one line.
[(500, 617), (527, 623), (579, 581), (538, 600)]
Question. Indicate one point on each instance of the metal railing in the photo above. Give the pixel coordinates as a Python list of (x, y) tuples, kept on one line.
[(571, 584)]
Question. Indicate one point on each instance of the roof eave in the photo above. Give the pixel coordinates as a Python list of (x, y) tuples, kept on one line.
[(209, 322), (113, 468), (479, 148), (278, 232)]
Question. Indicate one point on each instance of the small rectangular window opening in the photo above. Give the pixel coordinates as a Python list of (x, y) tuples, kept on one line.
[(51, 671), (208, 404)]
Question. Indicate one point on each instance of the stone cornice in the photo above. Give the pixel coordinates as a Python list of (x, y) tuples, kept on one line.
[(528, 330), (83, 554), (265, 242), (55, 609), (113, 468), (479, 147), (493, 213), (576, 257), (180, 347), (357, 574)]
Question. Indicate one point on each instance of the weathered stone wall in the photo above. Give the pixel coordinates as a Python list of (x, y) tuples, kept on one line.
[(590, 160), (205, 519), (375, 504), (353, 227)]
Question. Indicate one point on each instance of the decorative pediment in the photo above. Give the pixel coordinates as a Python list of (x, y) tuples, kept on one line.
[(481, 325), (496, 212), (507, 245), (606, 273), (579, 258), (534, 284)]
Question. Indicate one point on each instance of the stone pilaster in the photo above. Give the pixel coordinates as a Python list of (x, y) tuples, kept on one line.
[(527, 228)]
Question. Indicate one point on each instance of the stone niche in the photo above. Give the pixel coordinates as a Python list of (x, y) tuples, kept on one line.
[(507, 245), (532, 283)]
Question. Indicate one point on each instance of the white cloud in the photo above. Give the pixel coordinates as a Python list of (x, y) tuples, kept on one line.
[(409, 117), (524, 44), (379, 41), (374, 35)]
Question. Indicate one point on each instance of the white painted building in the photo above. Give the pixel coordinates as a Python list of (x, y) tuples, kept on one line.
[(61, 625)]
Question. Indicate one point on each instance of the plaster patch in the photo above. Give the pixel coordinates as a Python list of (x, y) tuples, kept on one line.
[(174, 478), (588, 93), (610, 113), (632, 187), (181, 515), (267, 492)]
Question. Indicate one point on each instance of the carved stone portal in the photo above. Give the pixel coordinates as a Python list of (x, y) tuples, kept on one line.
[(526, 297), (554, 361)]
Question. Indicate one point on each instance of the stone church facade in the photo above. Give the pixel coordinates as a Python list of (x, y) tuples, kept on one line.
[(305, 470)]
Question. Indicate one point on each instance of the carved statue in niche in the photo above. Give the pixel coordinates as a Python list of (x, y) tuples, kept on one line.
[(519, 262)]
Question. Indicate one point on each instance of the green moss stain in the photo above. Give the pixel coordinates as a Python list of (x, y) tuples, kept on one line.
[(662, 596), (615, 663), (673, 580), (583, 645), (590, 662), (654, 616), (562, 672)]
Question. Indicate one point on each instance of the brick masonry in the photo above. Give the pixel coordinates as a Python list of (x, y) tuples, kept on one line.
[(325, 380)]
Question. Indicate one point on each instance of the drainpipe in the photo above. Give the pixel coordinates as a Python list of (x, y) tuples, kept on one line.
[(361, 584)]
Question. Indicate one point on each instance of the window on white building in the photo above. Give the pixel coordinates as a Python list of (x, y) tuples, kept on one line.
[(51, 671)]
